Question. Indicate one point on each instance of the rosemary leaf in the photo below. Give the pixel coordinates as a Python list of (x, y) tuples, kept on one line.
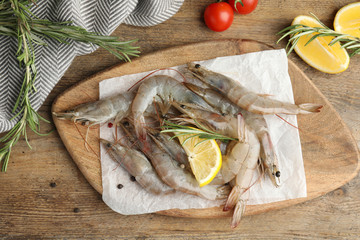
[(202, 132)]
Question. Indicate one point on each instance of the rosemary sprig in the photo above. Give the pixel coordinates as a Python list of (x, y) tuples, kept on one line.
[(63, 32), (349, 42), (16, 20), (26, 57), (201, 131)]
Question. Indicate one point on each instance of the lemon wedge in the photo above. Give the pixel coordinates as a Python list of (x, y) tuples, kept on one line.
[(318, 53), (204, 157), (347, 20)]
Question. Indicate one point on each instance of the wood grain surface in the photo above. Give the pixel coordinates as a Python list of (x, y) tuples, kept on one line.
[(320, 143), (45, 196)]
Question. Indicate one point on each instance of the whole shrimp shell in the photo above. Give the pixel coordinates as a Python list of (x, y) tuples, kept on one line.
[(136, 164), (255, 121), (101, 111), (168, 90), (246, 99)]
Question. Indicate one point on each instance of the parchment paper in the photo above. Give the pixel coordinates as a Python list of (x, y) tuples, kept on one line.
[(262, 72)]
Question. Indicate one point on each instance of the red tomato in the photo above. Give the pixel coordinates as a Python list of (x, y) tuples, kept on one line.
[(219, 16), (249, 6)]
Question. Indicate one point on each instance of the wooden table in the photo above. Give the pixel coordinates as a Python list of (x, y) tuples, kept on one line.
[(44, 195)]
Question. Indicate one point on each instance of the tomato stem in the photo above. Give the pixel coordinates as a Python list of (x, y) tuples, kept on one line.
[(238, 1)]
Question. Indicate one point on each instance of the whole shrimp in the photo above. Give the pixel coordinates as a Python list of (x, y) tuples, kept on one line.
[(255, 121), (101, 111), (246, 99), (240, 192), (168, 90), (136, 164), (238, 166), (236, 151), (176, 177)]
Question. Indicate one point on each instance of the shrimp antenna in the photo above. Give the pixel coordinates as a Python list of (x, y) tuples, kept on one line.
[(288, 122), (85, 140)]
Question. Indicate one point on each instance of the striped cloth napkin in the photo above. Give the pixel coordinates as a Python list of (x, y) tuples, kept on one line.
[(102, 16)]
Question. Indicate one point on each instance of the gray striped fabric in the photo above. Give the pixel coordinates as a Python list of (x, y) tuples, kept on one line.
[(52, 60)]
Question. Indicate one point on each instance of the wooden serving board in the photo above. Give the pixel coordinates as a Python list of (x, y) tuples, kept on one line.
[(331, 156)]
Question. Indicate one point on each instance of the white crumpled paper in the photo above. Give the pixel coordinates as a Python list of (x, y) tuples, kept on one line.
[(262, 72)]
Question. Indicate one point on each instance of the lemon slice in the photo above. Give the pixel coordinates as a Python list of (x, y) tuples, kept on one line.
[(204, 157), (318, 53), (347, 20)]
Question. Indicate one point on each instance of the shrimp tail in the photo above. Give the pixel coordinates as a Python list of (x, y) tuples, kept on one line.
[(306, 108), (238, 213), (232, 199)]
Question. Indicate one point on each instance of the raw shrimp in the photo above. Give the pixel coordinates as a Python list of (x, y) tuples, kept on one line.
[(168, 90), (101, 111), (246, 99), (176, 177), (236, 151), (240, 192), (241, 163), (255, 121), (135, 163)]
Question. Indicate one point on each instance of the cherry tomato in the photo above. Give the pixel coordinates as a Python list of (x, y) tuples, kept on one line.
[(219, 16), (249, 6)]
